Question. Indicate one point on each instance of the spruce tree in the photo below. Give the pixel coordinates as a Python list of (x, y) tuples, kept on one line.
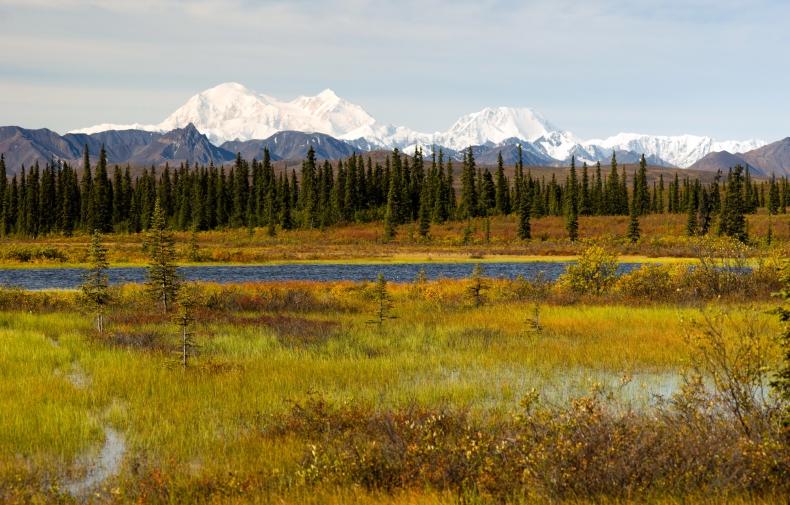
[(163, 278), (86, 211), (241, 191), (597, 198), (585, 207), (641, 194), (518, 178), (391, 215), (732, 221), (633, 232), (3, 186), (691, 220), (468, 206), (611, 193), (502, 188), (704, 213), (524, 229), (117, 197), (477, 284), (424, 218), (286, 218), (32, 209), (383, 303), (572, 204), (773, 196), (101, 196), (96, 288)]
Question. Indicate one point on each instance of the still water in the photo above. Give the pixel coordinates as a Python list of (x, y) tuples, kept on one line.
[(69, 278)]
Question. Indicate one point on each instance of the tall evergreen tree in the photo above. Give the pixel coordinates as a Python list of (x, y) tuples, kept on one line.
[(585, 206), (163, 278), (732, 221), (286, 218), (641, 194), (468, 206), (86, 211), (611, 193), (572, 204), (32, 211), (101, 196), (391, 215), (424, 218), (525, 207), (96, 288), (3, 187), (502, 188), (241, 192), (773, 196), (518, 179), (441, 208), (633, 232), (704, 213)]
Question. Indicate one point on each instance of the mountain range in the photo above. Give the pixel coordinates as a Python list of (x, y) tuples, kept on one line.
[(229, 118)]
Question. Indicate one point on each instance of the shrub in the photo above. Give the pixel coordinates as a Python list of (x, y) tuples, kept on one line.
[(593, 273), (26, 254), (652, 283)]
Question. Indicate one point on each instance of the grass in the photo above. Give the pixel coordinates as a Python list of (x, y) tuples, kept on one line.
[(265, 345), (662, 238)]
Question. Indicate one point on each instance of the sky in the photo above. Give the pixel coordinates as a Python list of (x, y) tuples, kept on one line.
[(595, 68)]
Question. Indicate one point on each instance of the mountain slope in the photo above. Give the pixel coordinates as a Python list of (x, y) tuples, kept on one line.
[(721, 160), (21, 146), (180, 145), (292, 145), (773, 158)]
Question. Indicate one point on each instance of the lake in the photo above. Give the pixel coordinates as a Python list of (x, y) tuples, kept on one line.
[(69, 278)]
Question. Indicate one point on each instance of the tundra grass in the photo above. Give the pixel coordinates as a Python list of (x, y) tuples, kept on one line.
[(663, 237), (59, 385)]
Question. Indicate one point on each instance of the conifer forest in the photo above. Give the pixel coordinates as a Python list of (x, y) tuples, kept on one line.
[(54, 199)]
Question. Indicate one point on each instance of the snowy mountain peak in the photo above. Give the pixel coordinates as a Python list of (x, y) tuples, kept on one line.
[(231, 111), (495, 125)]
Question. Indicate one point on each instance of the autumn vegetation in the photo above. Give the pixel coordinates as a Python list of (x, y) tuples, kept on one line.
[(668, 383)]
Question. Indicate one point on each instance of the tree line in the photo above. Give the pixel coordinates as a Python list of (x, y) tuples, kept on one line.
[(55, 200)]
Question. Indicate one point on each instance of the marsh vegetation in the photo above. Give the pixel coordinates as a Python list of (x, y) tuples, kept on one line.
[(659, 384)]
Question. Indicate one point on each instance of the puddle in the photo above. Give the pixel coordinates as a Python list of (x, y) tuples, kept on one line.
[(78, 378), (107, 464)]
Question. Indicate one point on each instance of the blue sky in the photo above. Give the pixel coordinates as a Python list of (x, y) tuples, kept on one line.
[(595, 68)]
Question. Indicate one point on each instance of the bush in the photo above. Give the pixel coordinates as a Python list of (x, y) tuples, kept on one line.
[(26, 254), (593, 273), (652, 283)]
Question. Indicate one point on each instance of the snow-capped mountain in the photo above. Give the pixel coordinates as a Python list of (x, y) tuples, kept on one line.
[(680, 151), (232, 112)]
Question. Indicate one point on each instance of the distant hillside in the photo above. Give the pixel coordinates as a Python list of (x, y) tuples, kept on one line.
[(22, 146), (292, 145), (723, 161), (771, 159), (180, 145)]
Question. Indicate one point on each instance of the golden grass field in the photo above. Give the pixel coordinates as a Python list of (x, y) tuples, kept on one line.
[(200, 435), (662, 238)]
